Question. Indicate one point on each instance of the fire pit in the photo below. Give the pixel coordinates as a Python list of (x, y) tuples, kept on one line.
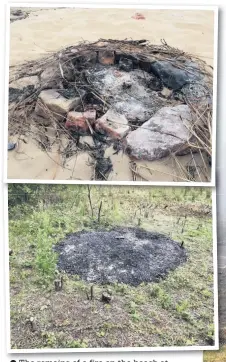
[(123, 255), (143, 99)]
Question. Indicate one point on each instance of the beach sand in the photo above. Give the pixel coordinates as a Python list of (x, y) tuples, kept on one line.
[(47, 30)]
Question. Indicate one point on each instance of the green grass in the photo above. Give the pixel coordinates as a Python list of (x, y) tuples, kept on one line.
[(215, 356), (177, 311)]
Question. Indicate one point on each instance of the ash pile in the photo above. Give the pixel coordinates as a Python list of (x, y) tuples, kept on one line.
[(121, 255), (143, 99)]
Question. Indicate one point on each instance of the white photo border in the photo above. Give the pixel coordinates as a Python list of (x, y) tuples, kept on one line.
[(122, 349), (215, 9)]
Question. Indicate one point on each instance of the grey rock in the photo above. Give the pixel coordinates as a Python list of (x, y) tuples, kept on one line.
[(51, 100), (173, 77), (51, 77), (167, 131), (25, 81), (197, 93)]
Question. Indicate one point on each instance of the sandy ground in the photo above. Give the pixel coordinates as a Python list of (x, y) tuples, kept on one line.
[(47, 30)]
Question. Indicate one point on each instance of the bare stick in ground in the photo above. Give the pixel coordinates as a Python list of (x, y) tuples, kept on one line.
[(99, 212), (91, 296), (32, 324), (90, 201), (62, 281), (92, 292), (58, 283), (185, 219)]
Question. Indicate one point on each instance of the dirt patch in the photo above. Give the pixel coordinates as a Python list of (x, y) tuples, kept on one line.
[(124, 255)]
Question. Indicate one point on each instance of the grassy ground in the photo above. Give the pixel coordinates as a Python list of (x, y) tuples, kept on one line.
[(216, 356), (178, 311)]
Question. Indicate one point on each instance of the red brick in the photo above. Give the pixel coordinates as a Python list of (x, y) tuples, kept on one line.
[(114, 124), (76, 121), (90, 114), (138, 16), (106, 57)]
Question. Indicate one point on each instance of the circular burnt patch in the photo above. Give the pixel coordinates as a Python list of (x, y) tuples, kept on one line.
[(123, 255)]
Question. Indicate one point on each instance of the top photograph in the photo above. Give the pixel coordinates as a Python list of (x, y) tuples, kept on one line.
[(111, 95)]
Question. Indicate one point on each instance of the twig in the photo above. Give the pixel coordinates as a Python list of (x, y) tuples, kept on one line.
[(102, 175), (165, 173), (92, 292), (90, 201), (185, 219), (196, 167), (89, 125), (99, 212), (138, 174)]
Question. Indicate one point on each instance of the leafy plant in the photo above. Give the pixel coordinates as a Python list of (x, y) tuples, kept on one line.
[(77, 344)]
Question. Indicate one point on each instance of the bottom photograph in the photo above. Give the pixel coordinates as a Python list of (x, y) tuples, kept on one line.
[(93, 266)]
